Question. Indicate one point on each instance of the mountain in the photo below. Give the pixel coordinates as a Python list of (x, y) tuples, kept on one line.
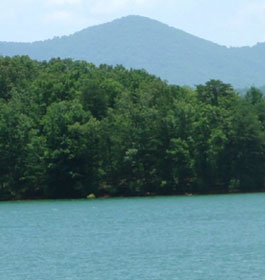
[(140, 42)]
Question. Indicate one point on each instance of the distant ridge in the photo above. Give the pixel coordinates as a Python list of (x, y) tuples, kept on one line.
[(140, 42)]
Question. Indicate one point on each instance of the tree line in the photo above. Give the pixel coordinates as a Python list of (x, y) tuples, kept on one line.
[(69, 129)]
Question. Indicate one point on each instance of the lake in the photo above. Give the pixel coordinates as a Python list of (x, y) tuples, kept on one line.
[(161, 238)]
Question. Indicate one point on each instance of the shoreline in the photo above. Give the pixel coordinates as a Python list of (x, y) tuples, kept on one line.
[(131, 197)]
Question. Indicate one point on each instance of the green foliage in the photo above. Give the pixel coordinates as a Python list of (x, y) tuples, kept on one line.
[(69, 129)]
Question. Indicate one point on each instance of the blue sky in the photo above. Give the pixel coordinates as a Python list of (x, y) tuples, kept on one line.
[(227, 22)]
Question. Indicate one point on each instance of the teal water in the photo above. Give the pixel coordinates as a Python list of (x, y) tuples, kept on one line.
[(167, 238)]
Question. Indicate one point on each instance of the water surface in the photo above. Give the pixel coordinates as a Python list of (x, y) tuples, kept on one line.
[(166, 238)]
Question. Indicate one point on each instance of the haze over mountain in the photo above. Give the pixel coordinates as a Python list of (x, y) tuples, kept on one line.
[(140, 42)]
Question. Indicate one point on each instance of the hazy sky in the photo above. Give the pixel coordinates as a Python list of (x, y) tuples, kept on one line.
[(227, 22)]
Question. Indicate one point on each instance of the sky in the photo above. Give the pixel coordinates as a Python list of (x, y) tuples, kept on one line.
[(226, 22)]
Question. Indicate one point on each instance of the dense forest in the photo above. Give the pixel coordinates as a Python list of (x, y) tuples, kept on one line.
[(69, 129)]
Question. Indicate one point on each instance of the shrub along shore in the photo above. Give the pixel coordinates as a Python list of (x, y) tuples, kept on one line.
[(69, 129)]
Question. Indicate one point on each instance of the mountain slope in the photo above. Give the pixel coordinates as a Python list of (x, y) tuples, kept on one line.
[(140, 42)]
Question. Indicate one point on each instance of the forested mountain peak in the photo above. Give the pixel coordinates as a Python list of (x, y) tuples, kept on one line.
[(143, 43)]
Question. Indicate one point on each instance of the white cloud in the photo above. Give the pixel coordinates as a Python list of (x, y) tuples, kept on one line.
[(58, 16), (115, 6), (63, 2), (251, 13), (249, 23), (65, 18), (8, 14)]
